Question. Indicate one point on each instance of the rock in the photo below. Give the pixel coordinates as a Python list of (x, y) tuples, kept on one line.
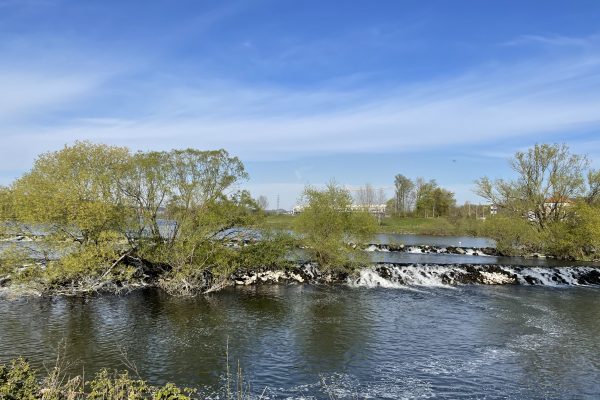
[(460, 250), (590, 278), (4, 281)]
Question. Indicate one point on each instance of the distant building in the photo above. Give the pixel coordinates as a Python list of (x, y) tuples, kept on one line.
[(553, 203), (376, 209)]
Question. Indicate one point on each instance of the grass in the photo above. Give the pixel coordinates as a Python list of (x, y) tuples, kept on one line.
[(441, 226), (280, 221)]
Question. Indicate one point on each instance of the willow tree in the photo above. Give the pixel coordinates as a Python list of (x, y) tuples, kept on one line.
[(549, 179), (73, 191), (327, 224), (6, 204)]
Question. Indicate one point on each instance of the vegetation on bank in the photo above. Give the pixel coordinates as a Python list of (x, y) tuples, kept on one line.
[(19, 381), (439, 226), (112, 218), (327, 224), (552, 207)]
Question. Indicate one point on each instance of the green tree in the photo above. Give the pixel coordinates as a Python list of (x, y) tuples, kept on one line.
[(549, 178), (327, 224), (433, 200), (73, 191), (6, 204), (577, 235), (404, 194)]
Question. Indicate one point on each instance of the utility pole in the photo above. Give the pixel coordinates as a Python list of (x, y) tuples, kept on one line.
[(278, 203)]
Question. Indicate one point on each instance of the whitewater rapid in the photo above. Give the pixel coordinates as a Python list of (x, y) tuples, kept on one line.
[(396, 276)]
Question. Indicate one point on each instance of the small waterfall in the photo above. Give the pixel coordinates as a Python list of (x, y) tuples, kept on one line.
[(397, 275)]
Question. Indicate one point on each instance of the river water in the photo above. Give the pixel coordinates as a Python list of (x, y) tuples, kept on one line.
[(408, 337), (304, 342)]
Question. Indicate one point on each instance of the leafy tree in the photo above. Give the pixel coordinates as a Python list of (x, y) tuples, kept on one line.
[(404, 194), (180, 208), (327, 224), (433, 200), (549, 177), (145, 185), (577, 236), (73, 191), (6, 204), (513, 236)]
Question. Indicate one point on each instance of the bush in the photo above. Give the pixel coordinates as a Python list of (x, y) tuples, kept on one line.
[(513, 236), (327, 224), (18, 381)]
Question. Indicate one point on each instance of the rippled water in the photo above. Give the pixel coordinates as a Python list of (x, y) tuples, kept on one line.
[(303, 342), (409, 240)]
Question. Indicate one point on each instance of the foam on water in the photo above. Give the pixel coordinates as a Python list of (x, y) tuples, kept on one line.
[(401, 276)]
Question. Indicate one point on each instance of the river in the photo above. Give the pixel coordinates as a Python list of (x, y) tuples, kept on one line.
[(449, 343), (420, 341)]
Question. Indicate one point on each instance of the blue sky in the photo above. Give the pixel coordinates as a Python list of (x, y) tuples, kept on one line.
[(304, 91)]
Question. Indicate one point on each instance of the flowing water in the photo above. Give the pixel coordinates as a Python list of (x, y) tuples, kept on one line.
[(397, 331), (304, 342)]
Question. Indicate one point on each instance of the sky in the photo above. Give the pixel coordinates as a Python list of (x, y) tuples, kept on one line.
[(304, 91)]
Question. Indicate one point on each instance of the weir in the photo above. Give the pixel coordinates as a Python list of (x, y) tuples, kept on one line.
[(398, 275)]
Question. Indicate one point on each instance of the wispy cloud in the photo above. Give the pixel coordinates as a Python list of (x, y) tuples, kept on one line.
[(556, 93)]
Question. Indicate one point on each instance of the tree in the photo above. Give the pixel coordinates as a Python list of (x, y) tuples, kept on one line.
[(404, 194), (327, 223), (432, 200), (263, 202), (74, 191), (6, 204), (380, 197), (146, 185), (366, 196), (549, 179)]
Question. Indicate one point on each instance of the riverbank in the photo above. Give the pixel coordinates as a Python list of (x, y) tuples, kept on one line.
[(439, 226), (377, 274)]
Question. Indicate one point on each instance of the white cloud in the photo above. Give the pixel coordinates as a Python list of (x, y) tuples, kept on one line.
[(551, 95)]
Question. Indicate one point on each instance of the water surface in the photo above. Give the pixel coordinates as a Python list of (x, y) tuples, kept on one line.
[(420, 342)]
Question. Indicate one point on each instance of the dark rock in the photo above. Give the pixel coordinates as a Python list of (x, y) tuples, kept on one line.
[(590, 278), (4, 281)]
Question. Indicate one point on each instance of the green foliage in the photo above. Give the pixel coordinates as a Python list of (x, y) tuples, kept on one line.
[(577, 236), (87, 262), (327, 224), (404, 192), (172, 392), (117, 387), (18, 381), (432, 200), (549, 178), (513, 236), (111, 202), (7, 208), (73, 190)]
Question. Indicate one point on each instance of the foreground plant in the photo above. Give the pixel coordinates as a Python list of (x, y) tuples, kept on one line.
[(18, 381)]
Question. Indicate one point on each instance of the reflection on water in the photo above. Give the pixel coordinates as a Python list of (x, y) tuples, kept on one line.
[(466, 342), (414, 240)]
